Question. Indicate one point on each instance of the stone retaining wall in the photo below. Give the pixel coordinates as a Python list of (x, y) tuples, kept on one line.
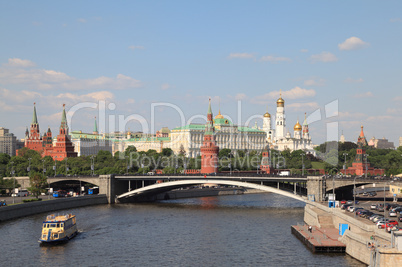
[(31, 208)]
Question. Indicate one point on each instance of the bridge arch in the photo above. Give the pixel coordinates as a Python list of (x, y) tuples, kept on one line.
[(167, 186)]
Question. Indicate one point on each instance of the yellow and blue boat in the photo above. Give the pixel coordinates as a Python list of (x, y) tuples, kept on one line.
[(58, 228)]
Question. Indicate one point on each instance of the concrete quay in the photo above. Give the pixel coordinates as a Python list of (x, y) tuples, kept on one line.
[(26, 209), (321, 240), (357, 237)]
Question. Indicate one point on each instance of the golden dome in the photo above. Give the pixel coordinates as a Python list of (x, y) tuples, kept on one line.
[(267, 115), (280, 102), (297, 127), (219, 116)]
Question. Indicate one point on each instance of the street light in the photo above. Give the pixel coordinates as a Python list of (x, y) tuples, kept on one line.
[(92, 166), (12, 174), (354, 194), (29, 167), (66, 166), (55, 167), (344, 165), (302, 155), (230, 162), (48, 185), (365, 175)]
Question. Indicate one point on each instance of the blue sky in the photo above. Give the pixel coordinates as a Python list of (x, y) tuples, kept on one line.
[(132, 54)]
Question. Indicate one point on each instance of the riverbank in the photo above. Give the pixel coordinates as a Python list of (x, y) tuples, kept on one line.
[(26, 209), (359, 234)]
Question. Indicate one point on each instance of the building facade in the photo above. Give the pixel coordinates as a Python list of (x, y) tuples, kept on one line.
[(87, 144), (381, 143), (8, 142)]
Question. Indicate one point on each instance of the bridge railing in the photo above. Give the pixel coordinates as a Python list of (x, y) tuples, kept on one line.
[(233, 174)]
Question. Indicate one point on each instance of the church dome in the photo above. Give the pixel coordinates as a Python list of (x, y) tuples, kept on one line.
[(219, 116), (267, 115), (280, 102), (297, 127)]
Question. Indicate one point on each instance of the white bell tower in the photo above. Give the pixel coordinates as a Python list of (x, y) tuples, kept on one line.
[(280, 120)]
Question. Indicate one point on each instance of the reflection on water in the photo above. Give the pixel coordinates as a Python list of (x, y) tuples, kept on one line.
[(239, 230)]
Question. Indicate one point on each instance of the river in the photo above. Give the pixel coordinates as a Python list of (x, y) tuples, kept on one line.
[(237, 230)]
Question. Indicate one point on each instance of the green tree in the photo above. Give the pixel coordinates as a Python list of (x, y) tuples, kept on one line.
[(38, 184), (167, 152)]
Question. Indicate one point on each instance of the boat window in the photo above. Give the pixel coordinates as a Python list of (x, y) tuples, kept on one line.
[(58, 225), (52, 225), (62, 225)]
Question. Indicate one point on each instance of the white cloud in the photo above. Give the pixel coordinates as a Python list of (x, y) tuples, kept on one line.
[(364, 95), (347, 114), (240, 55), (303, 106), (165, 86), (395, 20), (380, 118), (17, 62), (274, 59), (42, 79), (304, 50), (397, 98), (294, 93), (323, 57), (240, 96), (81, 20), (133, 47), (352, 43), (350, 80), (314, 82)]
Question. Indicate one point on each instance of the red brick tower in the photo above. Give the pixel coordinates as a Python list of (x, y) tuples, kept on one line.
[(265, 162), (34, 140), (209, 149), (64, 147), (47, 143)]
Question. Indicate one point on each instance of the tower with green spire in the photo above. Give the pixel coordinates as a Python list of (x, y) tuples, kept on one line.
[(209, 149), (33, 139), (95, 128), (64, 148)]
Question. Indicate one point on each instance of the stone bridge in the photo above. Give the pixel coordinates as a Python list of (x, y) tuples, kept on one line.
[(124, 187)]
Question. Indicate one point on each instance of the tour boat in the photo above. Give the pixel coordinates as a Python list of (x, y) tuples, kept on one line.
[(58, 228)]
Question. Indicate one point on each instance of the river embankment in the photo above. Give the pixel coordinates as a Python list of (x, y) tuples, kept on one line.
[(26, 209), (358, 237)]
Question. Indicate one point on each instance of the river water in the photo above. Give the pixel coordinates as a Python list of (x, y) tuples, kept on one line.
[(238, 230)]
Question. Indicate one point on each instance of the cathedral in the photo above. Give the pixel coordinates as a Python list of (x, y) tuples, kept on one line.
[(61, 149), (281, 139)]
